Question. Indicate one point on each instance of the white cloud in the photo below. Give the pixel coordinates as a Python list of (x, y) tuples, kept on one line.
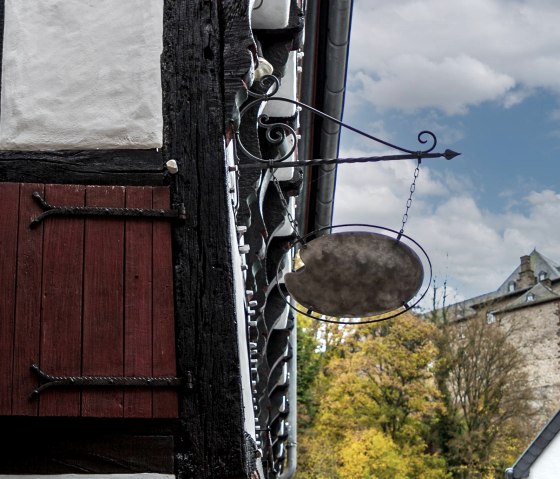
[(516, 96), (451, 84), (473, 248), (447, 56), (452, 55)]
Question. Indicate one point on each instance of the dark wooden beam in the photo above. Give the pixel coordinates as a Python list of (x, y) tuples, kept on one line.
[(93, 167), (211, 442), (94, 445)]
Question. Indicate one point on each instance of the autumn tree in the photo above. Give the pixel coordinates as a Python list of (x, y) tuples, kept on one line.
[(378, 389), (489, 396)]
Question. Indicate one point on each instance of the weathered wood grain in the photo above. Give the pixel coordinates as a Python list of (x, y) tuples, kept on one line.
[(61, 328), (9, 198), (138, 302), (84, 167), (212, 442), (103, 325), (28, 302), (165, 402)]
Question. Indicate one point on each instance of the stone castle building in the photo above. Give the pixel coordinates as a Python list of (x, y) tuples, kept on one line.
[(528, 304)]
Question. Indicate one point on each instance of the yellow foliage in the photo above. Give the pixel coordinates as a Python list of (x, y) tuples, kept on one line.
[(370, 454), (376, 397)]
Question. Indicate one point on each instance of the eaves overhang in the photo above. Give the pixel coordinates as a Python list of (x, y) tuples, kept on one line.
[(327, 40), (522, 466)]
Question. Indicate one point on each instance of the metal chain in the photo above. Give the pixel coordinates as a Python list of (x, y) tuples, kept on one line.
[(409, 201), (292, 221)]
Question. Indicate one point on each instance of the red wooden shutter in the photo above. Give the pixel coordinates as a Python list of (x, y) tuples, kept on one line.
[(86, 296)]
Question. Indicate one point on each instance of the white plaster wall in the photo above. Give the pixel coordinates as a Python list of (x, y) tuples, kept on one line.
[(239, 289), (270, 14), (287, 89), (547, 465), (286, 228), (81, 74)]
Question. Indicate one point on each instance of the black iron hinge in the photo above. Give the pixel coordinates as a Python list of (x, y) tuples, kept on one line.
[(50, 381), (50, 210)]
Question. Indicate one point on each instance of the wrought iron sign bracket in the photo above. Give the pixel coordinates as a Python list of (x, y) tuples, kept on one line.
[(396, 263), (50, 381), (277, 132), (52, 210)]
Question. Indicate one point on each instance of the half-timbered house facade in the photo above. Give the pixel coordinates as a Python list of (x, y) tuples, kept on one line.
[(141, 329)]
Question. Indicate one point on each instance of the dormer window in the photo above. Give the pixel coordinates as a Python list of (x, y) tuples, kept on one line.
[(543, 275), (530, 297), (511, 286), (490, 318)]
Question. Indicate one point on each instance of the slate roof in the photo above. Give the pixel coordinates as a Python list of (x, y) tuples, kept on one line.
[(539, 294), (539, 263), (522, 466)]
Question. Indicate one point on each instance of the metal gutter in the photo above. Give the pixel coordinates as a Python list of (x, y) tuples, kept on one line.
[(327, 40)]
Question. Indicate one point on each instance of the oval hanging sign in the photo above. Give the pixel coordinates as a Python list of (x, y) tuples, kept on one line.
[(355, 274)]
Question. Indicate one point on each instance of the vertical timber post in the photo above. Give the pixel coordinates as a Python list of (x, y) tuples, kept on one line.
[(211, 439)]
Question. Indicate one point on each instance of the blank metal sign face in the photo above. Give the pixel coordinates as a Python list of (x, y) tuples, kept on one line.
[(355, 274)]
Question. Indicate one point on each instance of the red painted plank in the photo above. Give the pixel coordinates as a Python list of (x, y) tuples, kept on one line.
[(138, 302), (103, 326), (62, 300), (165, 400), (9, 198), (28, 302)]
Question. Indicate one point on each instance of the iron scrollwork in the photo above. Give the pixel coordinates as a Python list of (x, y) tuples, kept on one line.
[(277, 132)]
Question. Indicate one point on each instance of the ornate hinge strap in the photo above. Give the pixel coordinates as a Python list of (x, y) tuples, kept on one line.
[(106, 381), (51, 210)]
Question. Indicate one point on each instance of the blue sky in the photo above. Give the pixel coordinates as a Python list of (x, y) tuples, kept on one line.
[(484, 76)]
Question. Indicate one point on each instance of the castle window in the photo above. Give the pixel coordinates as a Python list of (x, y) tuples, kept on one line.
[(490, 318), (511, 286)]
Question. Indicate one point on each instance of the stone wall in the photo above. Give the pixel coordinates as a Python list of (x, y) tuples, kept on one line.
[(535, 333)]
